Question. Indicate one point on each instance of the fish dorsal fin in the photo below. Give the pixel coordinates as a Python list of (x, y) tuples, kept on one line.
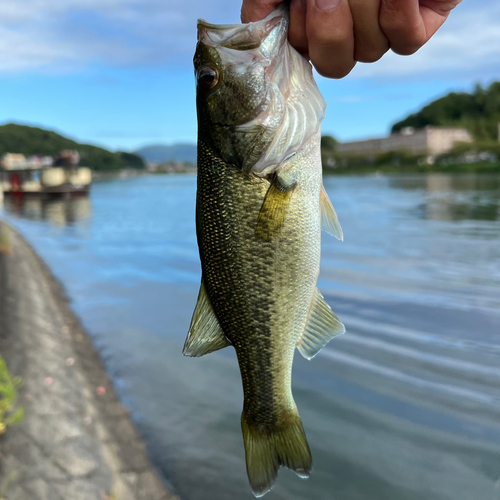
[(274, 209), (322, 325), (329, 220), (205, 333)]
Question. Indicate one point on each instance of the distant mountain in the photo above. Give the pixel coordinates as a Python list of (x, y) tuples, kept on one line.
[(478, 111), (37, 141), (161, 154)]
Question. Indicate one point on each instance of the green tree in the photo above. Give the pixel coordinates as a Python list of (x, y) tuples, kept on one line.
[(328, 143), (478, 111), (36, 141)]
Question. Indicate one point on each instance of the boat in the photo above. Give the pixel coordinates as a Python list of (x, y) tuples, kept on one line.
[(45, 176)]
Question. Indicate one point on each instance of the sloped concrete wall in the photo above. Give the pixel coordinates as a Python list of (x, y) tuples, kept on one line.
[(76, 441)]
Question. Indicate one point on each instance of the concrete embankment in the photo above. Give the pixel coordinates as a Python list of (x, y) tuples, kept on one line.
[(76, 441)]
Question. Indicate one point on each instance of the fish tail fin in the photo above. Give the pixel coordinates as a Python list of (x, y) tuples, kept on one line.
[(267, 451)]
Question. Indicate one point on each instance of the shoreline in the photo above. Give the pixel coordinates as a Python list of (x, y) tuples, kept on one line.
[(76, 440), (385, 169), (466, 168)]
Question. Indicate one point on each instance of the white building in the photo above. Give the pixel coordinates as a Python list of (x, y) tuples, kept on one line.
[(11, 161), (16, 161), (429, 140)]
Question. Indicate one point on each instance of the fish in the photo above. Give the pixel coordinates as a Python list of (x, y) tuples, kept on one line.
[(260, 207)]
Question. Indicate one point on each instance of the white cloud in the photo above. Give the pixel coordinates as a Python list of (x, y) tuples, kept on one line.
[(467, 46), (68, 35), (62, 35)]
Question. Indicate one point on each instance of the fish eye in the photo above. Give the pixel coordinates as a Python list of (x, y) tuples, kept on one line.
[(208, 77)]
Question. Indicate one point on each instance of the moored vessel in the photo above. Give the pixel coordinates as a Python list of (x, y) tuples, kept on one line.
[(44, 176)]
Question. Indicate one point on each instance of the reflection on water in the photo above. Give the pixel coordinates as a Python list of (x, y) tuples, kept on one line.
[(449, 197), (57, 211), (405, 406)]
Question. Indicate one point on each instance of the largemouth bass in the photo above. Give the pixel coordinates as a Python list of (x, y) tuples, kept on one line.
[(260, 203)]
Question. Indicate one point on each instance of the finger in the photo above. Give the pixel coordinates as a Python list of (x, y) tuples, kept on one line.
[(297, 31), (434, 13), (255, 10), (403, 25), (370, 43), (330, 36)]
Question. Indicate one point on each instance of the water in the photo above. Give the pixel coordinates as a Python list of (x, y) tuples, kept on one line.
[(405, 406)]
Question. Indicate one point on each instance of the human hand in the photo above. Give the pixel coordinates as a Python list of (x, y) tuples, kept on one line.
[(335, 34)]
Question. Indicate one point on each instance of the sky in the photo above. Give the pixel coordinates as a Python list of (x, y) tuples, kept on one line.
[(118, 73)]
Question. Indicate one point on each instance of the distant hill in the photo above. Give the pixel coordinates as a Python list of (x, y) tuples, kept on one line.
[(478, 111), (162, 154), (36, 141)]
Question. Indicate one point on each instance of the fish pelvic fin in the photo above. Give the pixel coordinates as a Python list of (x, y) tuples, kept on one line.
[(322, 325), (274, 209), (266, 451), (205, 333), (329, 220)]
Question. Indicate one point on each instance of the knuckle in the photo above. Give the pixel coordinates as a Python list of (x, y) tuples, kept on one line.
[(407, 47), (405, 41), (396, 22), (368, 55), (336, 71), (404, 51), (405, 36)]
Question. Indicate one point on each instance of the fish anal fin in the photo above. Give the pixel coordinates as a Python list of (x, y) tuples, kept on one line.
[(322, 325), (274, 209), (329, 220), (205, 333)]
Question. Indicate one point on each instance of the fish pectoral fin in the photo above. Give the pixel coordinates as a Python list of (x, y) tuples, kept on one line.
[(329, 220), (322, 325), (274, 209), (205, 333)]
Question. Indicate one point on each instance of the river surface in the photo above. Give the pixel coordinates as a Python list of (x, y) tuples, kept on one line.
[(405, 406)]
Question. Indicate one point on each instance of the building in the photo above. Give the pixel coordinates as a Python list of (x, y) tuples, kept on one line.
[(13, 161), (37, 175), (10, 161), (429, 140)]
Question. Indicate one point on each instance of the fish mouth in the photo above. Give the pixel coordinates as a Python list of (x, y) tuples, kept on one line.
[(296, 107), (272, 29)]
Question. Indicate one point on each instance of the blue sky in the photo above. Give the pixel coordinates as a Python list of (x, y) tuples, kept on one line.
[(118, 73)]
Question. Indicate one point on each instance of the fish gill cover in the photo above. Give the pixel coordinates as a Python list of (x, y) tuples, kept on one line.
[(295, 108)]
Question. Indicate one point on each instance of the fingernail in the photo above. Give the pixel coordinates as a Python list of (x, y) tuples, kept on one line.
[(327, 4)]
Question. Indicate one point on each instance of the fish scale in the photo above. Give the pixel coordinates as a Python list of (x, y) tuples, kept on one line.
[(260, 290), (259, 229)]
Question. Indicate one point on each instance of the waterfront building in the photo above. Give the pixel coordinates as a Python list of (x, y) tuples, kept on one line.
[(429, 140), (11, 161), (44, 175)]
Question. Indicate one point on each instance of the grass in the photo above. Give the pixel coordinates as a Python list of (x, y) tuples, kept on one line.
[(10, 413)]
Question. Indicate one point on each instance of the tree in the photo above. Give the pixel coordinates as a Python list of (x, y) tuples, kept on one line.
[(478, 111), (36, 141), (328, 143)]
